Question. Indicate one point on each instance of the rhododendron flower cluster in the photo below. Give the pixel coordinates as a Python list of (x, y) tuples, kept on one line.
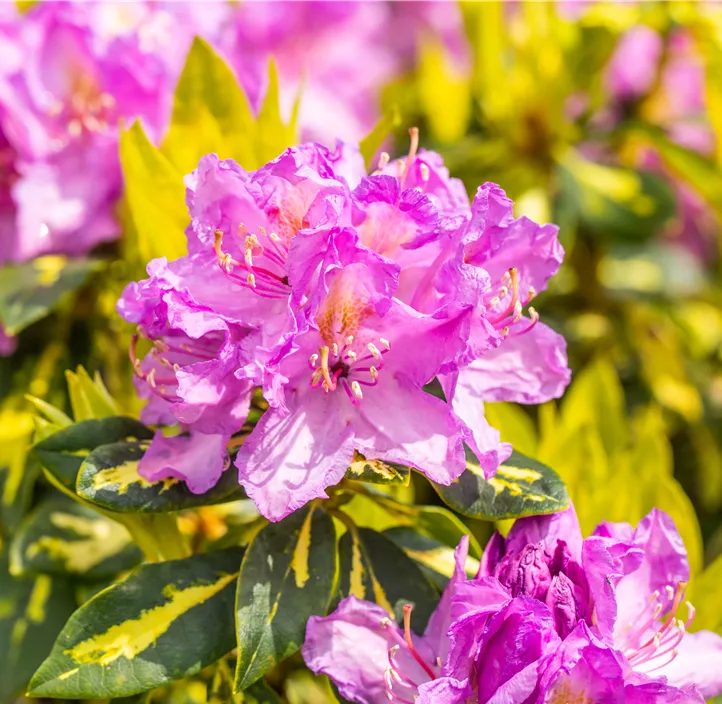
[(549, 618), (340, 294)]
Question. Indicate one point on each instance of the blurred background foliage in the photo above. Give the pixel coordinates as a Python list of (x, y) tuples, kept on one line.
[(633, 179)]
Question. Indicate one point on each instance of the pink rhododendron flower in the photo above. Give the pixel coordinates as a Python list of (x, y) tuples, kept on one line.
[(550, 618), (633, 67), (61, 100), (344, 294)]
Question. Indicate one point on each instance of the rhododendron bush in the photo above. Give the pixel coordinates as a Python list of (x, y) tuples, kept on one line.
[(291, 294)]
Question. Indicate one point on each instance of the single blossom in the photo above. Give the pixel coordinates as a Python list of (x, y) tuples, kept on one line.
[(550, 618)]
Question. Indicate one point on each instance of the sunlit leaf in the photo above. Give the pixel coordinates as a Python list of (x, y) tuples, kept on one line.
[(521, 487), (149, 629)]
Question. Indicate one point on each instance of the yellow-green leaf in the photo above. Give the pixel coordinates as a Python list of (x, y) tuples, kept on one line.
[(211, 114), (155, 194)]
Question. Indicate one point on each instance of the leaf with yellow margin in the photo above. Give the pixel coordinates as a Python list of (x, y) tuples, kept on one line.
[(164, 621)]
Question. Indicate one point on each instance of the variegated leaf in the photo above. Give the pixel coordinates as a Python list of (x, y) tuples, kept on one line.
[(62, 537), (109, 478), (288, 574), (521, 487), (63, 452), (374, 568), (164, 621), (32, 612)]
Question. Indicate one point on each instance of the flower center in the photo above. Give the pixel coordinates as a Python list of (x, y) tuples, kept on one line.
[(263, 269), (166, 357), (88, 110), (341, 365), (400, 687), (650, 643), (505, 303)]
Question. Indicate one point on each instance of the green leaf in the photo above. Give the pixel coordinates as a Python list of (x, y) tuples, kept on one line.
[(370, 144), (210, 114), (164, 621), (155, 195), (288, 574), (375, 569), (615, 202), (273, 134), (109, 478), (61, 537), (32, 612), (521, 487), (31, 290), (63, 453), (435, 559), (89, 398), (378, 472), (260, 693)]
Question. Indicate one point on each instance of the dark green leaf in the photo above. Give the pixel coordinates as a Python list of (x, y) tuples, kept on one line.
[(32, 612), (164, 621), (435, 559), (16, 493), (29, 291), (375, 569), (288, 575), (61, 537), (109, 478), (260, 693), (521, 487), (63, 452)]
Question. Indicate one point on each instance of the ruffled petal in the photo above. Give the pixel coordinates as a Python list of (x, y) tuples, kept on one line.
[(527, 368), (288, 460), (198, 459), (352, 648)]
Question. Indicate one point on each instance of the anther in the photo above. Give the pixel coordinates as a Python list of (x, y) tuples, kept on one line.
[(356, 390), (151, 378), (532, 294), (251, 280), (374, 373), (349, 340), (505, 331), (313, 359), (351, 355), (374, 350), (424, 171), (385, 343), (274, 237), (334, 349), (248, 257), (384, 159)]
